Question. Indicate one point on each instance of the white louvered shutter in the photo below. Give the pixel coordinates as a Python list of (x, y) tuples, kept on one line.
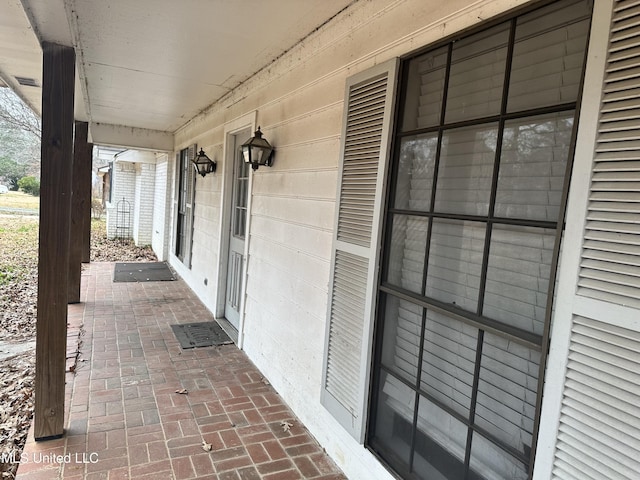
[(599, 426), (599, 433), (610, 268), (369, 105)]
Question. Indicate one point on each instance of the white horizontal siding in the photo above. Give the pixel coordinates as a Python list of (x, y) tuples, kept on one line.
[(299, 103)]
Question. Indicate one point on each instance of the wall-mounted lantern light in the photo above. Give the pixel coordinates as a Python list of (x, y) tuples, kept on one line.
[(257, 151), (203, 164)]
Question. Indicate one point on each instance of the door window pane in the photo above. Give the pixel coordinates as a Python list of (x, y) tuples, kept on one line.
[(414, 181), (477, 75), (533, 162), (465, 172), (240, 191), (455, 262), (407, 252)]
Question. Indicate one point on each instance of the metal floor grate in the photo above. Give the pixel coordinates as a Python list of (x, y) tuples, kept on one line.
[(203, 334)]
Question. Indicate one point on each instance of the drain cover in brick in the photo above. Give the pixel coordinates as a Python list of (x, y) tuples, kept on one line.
[(204, 334), (143, 272)]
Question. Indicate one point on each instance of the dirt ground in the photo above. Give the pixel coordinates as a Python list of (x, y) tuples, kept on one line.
[(18, 294)]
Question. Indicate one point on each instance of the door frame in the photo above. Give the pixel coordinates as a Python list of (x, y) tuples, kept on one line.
[(231, 128)]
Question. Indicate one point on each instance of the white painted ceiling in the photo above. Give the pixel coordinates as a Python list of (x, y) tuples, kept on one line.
[(152, 64)]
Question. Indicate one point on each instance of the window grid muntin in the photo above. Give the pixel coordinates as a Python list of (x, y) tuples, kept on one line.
[(535, 342), (239, 195), (489, 219), (467, 421)]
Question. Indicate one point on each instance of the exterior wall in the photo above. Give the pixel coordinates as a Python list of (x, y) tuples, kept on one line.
[(206, 213), (161, 198), (133, 181), (299, 103), (144, 201)]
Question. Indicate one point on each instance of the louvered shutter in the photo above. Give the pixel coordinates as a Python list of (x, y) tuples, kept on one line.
[(610, 268), (598, 432), (369, 105)]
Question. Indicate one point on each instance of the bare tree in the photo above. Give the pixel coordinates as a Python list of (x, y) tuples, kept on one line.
[(16, 115), (19, 133)]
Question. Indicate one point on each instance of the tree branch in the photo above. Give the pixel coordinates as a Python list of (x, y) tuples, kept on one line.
[(15, 115)]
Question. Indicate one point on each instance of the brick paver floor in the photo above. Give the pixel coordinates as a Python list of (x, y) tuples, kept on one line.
[(125, 420)]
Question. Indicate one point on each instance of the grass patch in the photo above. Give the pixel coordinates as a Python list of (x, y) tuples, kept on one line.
[(7, 275), (27, 228), (19, 200), (18, 247)]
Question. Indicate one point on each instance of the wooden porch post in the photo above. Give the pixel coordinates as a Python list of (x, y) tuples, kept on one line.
[(58, 74), (87, 182), (80, 214)]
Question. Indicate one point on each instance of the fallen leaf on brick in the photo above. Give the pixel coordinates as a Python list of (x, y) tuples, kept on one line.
[(206, 446), (286, 426), (183, 391)]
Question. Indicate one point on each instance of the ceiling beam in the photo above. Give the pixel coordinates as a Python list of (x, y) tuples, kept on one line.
[(131, 137)]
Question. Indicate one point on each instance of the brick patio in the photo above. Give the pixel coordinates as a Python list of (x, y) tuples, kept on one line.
[(124, 418)]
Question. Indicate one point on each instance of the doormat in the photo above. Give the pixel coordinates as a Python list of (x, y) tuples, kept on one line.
[(143, 272), (204, 334)]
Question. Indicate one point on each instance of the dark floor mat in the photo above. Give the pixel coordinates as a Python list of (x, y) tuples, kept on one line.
[(204, 334), (143, 272)]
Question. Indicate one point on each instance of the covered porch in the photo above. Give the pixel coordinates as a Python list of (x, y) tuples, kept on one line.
[(125, 419)]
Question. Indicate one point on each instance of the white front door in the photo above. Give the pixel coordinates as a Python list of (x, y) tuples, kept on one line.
[(237, 231)]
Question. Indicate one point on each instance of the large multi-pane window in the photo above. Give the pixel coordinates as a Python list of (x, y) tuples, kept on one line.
[(482, 156)]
